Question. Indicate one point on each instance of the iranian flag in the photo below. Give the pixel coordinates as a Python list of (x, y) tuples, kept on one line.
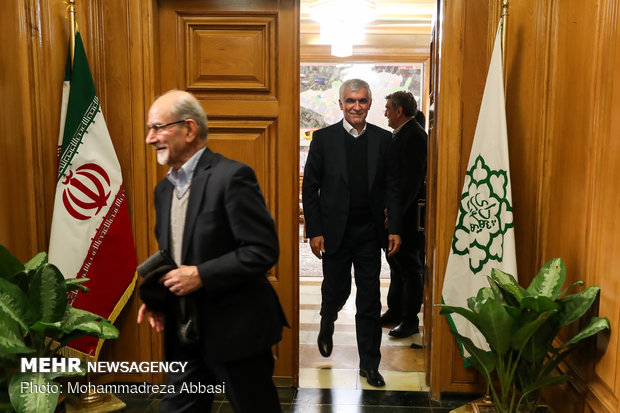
[(484, 234), (91, 233)]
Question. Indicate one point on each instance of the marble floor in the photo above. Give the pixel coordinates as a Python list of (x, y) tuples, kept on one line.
[(401, 366)]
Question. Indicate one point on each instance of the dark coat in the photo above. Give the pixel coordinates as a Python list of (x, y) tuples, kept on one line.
[(231, 237), (410, 147), (325, 188)]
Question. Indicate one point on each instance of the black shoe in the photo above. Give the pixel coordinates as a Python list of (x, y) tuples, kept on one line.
[(373, 377), (404, 330), (325, 338), (388, 319)]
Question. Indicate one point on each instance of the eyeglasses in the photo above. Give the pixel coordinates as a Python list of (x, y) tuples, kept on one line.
[(157, 127)]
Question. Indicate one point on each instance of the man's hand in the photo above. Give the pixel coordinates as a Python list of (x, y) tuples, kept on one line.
[(393, 244), (155, 319), (317, 244), (182, 280)]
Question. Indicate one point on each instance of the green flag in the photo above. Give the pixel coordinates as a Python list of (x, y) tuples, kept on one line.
[(484, 234)]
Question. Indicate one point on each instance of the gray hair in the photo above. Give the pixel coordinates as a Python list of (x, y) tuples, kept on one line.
[(404, 99), (188, 107), (354, 85)]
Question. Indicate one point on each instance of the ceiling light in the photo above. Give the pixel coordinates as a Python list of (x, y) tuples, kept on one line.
[(342, 22)]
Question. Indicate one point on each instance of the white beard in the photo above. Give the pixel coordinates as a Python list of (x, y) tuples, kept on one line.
[(162, 157)]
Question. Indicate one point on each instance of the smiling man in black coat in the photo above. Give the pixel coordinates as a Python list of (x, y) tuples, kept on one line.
[(349, 181)]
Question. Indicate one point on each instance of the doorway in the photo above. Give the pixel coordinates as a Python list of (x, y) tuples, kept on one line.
[(402, 367)]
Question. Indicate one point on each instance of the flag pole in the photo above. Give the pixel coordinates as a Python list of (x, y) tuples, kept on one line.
[(89, 398), (504, 18), (73, 27)]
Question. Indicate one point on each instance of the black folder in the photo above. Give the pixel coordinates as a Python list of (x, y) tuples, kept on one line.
[(158, 297)]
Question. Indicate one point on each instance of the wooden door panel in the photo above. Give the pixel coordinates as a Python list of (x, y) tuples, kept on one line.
[(226, 53), (250, 142), (230, 53)]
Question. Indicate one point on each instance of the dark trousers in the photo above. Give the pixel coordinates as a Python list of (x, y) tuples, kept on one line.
[(361, 250), (406, 291), (247, 381)]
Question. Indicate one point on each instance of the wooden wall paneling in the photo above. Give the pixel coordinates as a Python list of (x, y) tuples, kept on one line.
[(47, 72), (39, 31), (147, 13), (54, 47), (569, 149), (119, 69), (287, 182), (16, 189), (570, 140), (476, 56), (600, 398), (30, 138), (209, 63), (447, 373), (478, 23), (555, 153), (152, 88), (526, 69), (431, 190), (253, 143), (604, 248), (566, 398)]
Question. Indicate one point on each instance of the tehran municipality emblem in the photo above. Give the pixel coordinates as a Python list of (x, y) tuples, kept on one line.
[(485, 214)]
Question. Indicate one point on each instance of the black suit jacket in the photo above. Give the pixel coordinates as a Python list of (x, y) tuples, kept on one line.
[(325, 188), (410, 147), (231, 237)]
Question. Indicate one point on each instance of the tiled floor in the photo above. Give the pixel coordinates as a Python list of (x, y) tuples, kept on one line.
[(401, 366)]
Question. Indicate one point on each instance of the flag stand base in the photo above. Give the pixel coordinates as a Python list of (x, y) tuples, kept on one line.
[(483, 405), (94, 403)]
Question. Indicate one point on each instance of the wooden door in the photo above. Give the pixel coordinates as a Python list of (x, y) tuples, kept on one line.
[(241, 60), (431, 192)]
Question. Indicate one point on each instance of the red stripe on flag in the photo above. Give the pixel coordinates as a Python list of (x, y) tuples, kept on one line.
[(111, 269)]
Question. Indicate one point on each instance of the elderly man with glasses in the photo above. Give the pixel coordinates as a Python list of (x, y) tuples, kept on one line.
[(212, 217)]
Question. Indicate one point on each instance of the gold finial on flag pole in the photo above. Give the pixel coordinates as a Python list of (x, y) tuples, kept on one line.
[(503, 17), (71, 9)]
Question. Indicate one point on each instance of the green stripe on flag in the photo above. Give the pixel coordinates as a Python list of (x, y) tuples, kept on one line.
[(82, 108), (68, 66)]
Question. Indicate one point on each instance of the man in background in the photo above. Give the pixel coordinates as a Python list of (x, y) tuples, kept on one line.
[(349, 180), (212, 217), (406, 290)]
